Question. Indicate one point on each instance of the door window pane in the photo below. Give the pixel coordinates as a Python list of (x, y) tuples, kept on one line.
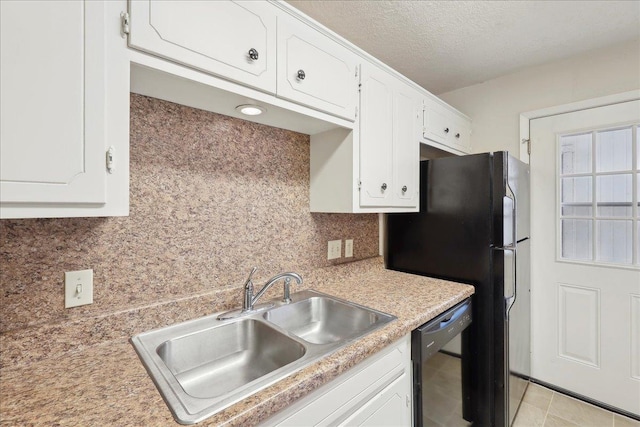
[(575, 153), (614, 195), (638, 197), (599, 186), (577, 210), (613, 150), (577, 189), (577, 239), (615, 241)]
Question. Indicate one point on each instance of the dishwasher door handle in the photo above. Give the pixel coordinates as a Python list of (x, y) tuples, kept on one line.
[(446, 319)]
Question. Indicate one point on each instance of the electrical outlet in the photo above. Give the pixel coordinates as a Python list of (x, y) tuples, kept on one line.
[(348, 248), (334, 249), (78, 288)]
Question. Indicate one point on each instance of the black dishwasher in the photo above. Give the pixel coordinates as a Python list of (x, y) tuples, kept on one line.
[(426, 341)]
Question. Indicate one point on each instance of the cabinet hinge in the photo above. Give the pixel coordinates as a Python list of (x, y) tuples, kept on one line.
[(124, 22), (408, 401), (359, 185), (111, 159), (528, 142)]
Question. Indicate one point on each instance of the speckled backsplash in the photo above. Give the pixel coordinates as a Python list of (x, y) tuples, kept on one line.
[(211, 196)]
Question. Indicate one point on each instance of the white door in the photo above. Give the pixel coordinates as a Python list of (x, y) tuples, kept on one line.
[(585, 278)]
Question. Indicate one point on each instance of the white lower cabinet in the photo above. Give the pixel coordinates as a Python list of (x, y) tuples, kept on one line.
[(64, 88), (376, 392), (388, 408)]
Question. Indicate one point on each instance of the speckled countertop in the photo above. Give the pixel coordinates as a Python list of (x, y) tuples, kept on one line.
[(106, 384)]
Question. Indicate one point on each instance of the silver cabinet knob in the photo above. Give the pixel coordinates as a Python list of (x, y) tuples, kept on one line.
[(253, 54), (457, 135), (384, 186), (446, 130), (404, 188), (301, 75)]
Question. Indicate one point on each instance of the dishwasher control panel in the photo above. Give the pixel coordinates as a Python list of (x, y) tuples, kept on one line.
[(429, 338)]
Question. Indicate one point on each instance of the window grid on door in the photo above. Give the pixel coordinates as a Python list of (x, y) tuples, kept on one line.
[(599, 192)]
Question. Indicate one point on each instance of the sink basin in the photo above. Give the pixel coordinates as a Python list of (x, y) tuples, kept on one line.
[(205, 365), (215, 361), (322, 320)]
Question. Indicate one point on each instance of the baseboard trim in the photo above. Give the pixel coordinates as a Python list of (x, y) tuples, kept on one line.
[(587, 399)]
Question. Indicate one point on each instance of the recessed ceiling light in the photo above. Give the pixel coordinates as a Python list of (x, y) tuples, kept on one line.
[(250, 110)]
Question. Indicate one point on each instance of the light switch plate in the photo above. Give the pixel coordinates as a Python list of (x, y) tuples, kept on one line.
[(78, 288), (348, 248), (334, 249)]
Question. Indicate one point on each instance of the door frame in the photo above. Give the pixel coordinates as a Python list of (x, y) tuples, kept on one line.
[(525, 119), (586, 104)]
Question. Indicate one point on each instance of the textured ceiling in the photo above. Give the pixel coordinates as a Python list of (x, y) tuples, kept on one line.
[(446, 45)]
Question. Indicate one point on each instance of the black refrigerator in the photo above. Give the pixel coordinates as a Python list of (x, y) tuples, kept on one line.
[(473, 227)]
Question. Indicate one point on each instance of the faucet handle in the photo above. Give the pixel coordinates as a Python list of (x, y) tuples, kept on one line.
[(248, 281)]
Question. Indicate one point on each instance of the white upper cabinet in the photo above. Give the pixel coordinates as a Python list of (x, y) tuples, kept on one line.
[(314, 70), (46, 83), (54, 114), (376, 137), (253, 43), (232, 39), (65, 83), (406, 148), (375, 167), (443, 127), (389, 142)]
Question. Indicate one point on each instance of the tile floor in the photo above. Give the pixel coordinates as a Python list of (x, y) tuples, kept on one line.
[(548, 408), (541, 407)]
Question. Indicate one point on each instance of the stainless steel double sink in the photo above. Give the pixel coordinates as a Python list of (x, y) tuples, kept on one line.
[(204, 365)]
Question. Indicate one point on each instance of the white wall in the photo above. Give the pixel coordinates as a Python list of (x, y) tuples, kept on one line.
[(495, 105)]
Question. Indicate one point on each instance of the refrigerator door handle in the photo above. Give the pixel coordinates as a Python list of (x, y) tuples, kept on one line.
[(509, 245), (510, 282), (510, 231)]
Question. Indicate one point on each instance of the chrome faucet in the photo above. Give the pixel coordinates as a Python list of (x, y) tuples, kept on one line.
[(250, 300)]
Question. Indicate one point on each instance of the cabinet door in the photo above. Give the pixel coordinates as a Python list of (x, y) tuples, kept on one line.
[(461, 135), (379, 382), (232, 39), (406, 146), (446, 127), (315, 70), (52, 82), (391, 407), (437, 124), (376, 137)]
